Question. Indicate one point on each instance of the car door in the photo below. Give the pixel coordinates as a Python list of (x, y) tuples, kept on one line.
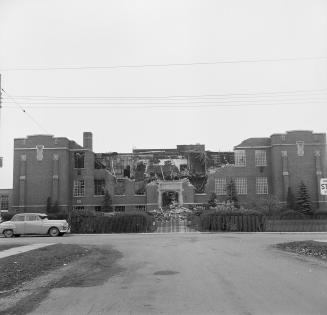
[(33, 224), (19, 224)]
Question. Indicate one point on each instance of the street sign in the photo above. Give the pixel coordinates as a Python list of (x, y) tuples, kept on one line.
[(323, 186)]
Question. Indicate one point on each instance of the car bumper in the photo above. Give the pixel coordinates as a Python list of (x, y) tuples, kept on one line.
[(64, 230)]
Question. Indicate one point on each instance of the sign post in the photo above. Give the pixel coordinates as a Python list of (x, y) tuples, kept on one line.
[(323, 186)]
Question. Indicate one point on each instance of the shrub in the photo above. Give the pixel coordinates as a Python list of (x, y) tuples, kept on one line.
[(58, 216), (131, 222), (6, 216), (291, 215), (107, 202), (232, 220)]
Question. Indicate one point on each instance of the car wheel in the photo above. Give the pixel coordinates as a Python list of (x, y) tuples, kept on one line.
[(54, 232), (8, 233)]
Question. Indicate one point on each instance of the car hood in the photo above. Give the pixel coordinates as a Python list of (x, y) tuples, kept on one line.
[(5, 223)]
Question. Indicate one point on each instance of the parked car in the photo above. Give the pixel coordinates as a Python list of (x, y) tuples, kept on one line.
[(33, 223)]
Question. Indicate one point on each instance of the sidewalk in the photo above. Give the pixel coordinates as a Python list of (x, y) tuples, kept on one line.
[(21, 249)]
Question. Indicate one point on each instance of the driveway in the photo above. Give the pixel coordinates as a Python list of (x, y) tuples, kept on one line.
[(194, 273)]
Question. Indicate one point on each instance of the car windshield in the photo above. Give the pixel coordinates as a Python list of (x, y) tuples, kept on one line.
[(43, 217)]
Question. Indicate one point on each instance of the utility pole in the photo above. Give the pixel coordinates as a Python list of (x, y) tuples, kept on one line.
[(1, 158)]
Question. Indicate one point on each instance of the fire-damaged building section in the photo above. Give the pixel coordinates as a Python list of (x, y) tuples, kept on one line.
[(191, 162)]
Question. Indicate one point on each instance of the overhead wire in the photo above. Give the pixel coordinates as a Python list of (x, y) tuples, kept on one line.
[(24, 111), (205, 96), (200, 63), (232, 99)]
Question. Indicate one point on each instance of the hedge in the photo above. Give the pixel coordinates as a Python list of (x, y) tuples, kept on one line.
[(117, 223), (236, 220)]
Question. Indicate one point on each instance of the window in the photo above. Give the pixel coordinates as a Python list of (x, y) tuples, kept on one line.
[(98, 208), (120, 209), (32, 218), (4, 202), (141, 208), (300, 148), (78, 208), (99, 187), (240, 158), (39, 152), (79, 188), (18, 218), (260, 158), (79, 158), (283, 137), (261, 185), (220, 186), (241, 184)]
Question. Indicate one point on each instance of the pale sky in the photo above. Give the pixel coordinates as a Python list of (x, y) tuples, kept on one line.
[(244, 68)]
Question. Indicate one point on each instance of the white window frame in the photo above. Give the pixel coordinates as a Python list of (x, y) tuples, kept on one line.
[(240, 158), (300, 148), (241, 184), (4, 202), (99, 187), (261, 185), (79, 188), (141, 207), (260, 157), (120, 207), (220, 186), (79, 208)]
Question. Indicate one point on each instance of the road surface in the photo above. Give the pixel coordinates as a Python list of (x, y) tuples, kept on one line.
[(195, 273)]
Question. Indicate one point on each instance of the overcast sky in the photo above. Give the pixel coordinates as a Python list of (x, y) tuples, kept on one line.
[(164, 72)]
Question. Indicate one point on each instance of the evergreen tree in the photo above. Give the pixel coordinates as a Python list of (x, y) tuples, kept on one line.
[(107, 202), (232, 193), (55, 208), (212, 202), (49, 205), (290, 199), (303, 203)]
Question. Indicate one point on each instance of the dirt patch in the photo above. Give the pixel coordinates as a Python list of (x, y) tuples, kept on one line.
[(92, 266), (306, 248)]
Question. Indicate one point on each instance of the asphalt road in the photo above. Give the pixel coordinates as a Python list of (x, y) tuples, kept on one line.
[(194, 273)]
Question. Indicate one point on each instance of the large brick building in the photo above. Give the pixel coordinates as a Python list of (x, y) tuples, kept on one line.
[(5, 199), (272, 166), (73, 176)]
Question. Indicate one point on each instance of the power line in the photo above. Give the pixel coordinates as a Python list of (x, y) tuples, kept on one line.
[(24, 111), (268, 93), (175, 105), (185, 101), (202, 63)]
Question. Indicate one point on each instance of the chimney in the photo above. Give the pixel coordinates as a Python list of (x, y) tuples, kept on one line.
[(87, 140)]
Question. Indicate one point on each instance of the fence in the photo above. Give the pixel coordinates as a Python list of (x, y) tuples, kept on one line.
[(173, 225), (296, 225)]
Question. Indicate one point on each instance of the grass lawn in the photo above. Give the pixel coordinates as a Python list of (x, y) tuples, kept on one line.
[(27, 278), (17, 269), (307, 248)]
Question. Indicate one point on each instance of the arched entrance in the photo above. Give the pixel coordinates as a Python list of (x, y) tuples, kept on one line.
[(169, 198), (170, 190)]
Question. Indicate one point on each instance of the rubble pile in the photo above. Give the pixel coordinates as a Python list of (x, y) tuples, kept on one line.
[(173, 212)]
